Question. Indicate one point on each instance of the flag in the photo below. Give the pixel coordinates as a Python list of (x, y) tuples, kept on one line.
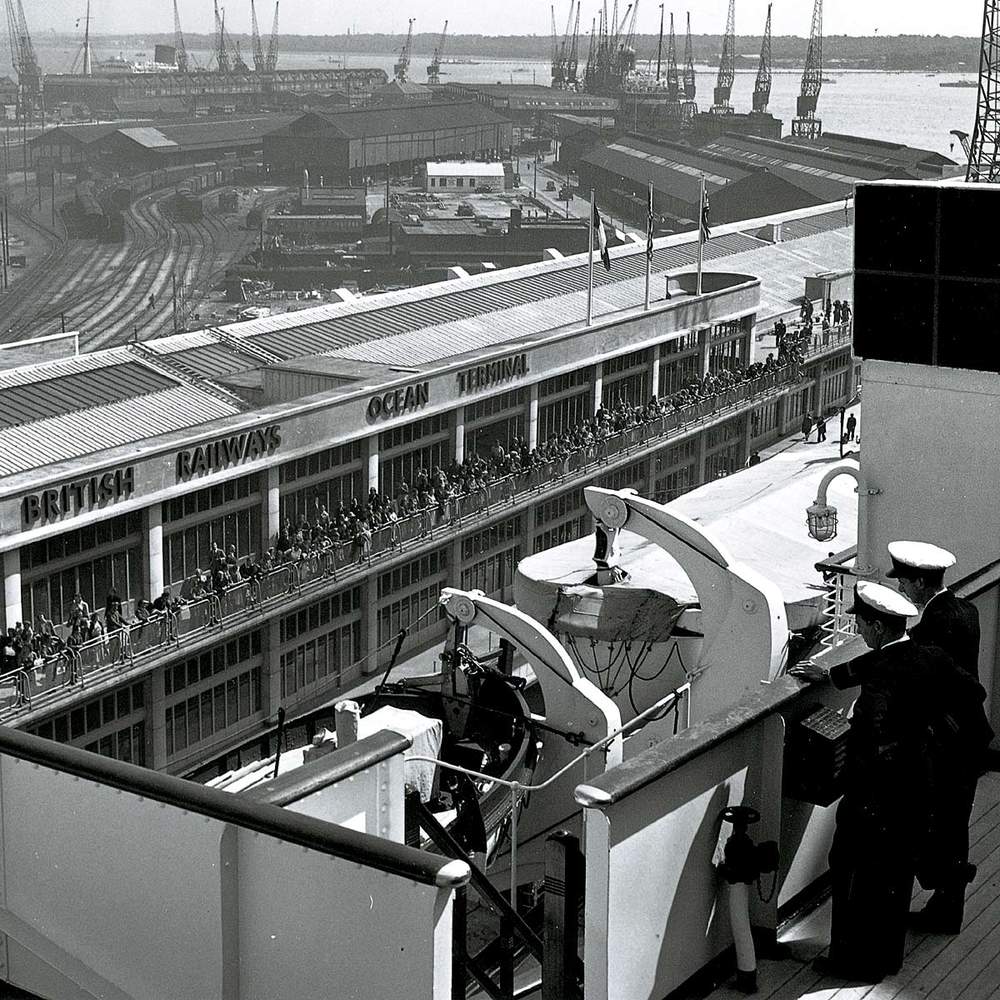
[(649, 225), (706, 233), (602, 238)]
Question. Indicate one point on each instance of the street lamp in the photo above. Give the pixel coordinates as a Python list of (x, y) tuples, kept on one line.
[(821, 517)]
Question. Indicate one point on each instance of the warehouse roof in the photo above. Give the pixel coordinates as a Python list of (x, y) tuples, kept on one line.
[(373, 122), (82, 135), (878, 149), (65, 410), (206, 134)]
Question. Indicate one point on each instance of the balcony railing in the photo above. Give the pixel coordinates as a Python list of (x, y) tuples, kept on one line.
[(31, 686)]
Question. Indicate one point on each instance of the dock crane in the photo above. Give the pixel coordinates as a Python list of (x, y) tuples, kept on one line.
[(690, 89), (180, 49), (984, 150), (25, 62), (673, 78), (806, 125), (221, 51), (557, 68), (762, 87), (434, 69), (258, 47), (402, 68), (271, 60), (727, 66), (573, 59)]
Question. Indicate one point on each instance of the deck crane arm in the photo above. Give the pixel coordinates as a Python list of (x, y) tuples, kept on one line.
[(762, 87), (271, 62), (259, 59), (568, 695), (963, 138)]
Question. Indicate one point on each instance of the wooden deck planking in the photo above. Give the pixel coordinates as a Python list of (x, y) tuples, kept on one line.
[(936, 967)]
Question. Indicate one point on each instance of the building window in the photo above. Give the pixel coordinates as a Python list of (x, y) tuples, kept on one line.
[(566, 413), (459, 182), (432, 182)]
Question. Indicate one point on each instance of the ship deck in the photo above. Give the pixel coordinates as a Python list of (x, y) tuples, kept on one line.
[(965, 967)]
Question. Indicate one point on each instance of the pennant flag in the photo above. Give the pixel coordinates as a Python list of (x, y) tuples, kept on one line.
[(602, 238), (706, 233), (649, 225)]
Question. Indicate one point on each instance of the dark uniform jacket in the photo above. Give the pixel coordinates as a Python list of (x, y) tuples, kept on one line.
[(952, 624)]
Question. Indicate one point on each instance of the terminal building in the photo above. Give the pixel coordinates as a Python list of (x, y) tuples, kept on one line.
[(122, 468)]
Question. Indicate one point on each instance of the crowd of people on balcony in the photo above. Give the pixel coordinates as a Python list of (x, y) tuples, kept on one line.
[(329, 538)]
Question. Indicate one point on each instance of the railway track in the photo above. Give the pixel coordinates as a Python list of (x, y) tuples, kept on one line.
[(104, 289)]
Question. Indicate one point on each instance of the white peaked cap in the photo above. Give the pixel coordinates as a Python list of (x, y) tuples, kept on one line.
[(918, 556), (883, 599)]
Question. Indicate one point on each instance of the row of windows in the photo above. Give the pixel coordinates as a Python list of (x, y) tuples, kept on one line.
[(319, 613), (459, 182), (839, 362), (677, 454), (764, 419), (188, 549), (209, 499), (553, 418), (728, 355), (491, 537), (214, 661), (629, 477), (93, 715), (411, 573), (72, 543), (731, 430), (626, 362), (325, 657), (328, 493), (408, 613), (676, 483), (558, 507), (568, 531), (570, 380), (725, 461), (685, 342), (798, 403), (408, 433), (405, 467), (52, 594), (501, 432), (632, 390), (494, 574), (491, 405), (323, 461), (835, 389), (677, 374), (213, 711), (733, 328), (127, 744)]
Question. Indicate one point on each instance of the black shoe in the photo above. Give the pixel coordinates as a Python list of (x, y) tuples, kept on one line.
[(843, 970), (943, 914)]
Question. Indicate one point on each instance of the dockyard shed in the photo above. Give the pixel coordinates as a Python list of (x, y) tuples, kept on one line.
[(67, 145), (346, 147), (465, 175)]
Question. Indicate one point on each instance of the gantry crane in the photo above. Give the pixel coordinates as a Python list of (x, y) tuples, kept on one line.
[(271, 60), (984, 151), (727, 66), (258, 46), (434, 69), (402, 68), (180, 49), (22, 53), (762, 87), (689, 107), (806, 125)]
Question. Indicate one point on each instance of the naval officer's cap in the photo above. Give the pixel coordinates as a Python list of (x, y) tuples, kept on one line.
[(915, 558), (874, 597)]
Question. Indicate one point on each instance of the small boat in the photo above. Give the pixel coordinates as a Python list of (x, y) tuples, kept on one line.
[(959, 83)]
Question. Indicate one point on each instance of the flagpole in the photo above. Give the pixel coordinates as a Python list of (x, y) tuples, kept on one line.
[(649, 240), (701, 231), (590, 264)]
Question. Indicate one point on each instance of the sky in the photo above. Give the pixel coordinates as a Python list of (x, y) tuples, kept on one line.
[(508, 17)]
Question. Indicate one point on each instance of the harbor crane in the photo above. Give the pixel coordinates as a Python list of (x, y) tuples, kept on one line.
[(727, 66), (984, 150), (557, 69), (806, 125), (562, 51), (221, 52), (25, 62), (258, 46), (434, 69), (402, 68), (690, 89), (180, 49), (762, 86), (271, 60), (573, 59), (659, 44)]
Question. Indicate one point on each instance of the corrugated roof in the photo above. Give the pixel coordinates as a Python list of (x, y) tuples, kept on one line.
[(377, 121), (83, 432), (149, 137)]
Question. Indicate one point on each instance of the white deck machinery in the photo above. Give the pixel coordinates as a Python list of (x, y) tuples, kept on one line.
[(652, 618)]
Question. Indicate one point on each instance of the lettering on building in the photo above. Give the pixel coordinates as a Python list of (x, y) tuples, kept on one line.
[(227, 452), (492, 373), (77, 496), (398, 401)]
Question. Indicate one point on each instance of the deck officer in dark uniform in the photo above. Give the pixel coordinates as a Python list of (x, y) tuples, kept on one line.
[(946, 621), (879, 819), (958, 745)]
